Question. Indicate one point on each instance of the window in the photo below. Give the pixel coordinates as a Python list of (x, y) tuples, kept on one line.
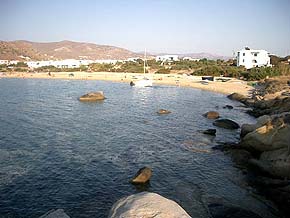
[(255, 54), (244, 54), (254, 61), (243, 60)]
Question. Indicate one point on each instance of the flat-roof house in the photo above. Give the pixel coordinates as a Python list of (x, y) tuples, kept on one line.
[(165, 58), (250, 58)]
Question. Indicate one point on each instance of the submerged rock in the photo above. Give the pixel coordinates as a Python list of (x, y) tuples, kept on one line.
[(228, 107), (209, 132), (142, 176), (93, 96), (220, 210), (163, 111), (226, 123), (212, 115), (59, 213), (147, 205)]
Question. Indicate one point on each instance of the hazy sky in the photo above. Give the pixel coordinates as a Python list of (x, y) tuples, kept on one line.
[(175, 26)]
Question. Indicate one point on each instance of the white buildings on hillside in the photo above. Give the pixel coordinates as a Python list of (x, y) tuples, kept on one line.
[(250, 58), (68, 63), (165, 58)]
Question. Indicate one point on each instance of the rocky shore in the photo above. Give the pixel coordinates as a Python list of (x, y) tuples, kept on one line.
[(264, 149)]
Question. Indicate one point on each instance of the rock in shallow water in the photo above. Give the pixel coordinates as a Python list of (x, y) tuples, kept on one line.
[(147, 205), (226, 123), (212, 115), (163, 111), (93, 96), (142, 176)]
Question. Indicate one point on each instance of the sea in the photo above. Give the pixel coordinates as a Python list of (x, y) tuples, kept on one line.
[(58, 152)]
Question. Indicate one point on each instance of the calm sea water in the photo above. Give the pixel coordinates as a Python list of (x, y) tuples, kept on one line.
[(57, 152)]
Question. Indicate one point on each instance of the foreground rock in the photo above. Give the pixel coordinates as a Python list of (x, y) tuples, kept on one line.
[(93, 96), (226, 123), (163, 111), (212, 115), (147, 205), (142, 176), (59, 213)]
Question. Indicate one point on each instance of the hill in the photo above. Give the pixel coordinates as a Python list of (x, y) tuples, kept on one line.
[(26, 50)]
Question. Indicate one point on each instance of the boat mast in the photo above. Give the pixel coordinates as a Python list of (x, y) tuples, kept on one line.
[(145, 61)]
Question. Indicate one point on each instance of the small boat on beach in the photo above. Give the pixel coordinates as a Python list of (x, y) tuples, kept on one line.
[(209, 78), (145, 82)]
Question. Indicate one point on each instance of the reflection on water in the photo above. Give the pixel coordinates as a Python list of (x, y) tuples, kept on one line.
[(57, 152)]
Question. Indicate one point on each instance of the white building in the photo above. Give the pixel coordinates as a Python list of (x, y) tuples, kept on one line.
[(190, 59), (4, 62), (165, 58), (250, 58)]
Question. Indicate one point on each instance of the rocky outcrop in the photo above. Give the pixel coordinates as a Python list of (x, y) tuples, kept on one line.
[(212, 115), (59, 213), (264, 150), (270, 133), (163, 111), (93, 96), (147, 205), (226, 123), (276, 105), (142, 176)]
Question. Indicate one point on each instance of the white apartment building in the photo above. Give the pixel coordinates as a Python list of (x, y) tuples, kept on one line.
[(250, 58), (165, 58)]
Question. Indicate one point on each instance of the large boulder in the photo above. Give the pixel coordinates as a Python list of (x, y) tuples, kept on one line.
[(142, 176), (274, 134), (212, 115), (93, 96), (147, 205), (226, 123), (261, 121)]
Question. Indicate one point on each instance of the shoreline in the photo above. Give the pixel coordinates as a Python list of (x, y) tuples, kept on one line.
[(234, 85)]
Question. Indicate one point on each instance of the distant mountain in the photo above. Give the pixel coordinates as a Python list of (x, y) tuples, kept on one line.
[(25, 50)]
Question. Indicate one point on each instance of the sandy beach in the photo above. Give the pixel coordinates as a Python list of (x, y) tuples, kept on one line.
[(233, 85)]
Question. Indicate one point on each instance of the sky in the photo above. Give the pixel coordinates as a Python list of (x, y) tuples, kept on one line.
[(161, 26)]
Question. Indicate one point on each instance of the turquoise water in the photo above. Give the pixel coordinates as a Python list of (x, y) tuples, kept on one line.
[(57, 152)]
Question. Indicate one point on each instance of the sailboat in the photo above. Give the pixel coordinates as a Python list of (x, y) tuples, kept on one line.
[(144, 82)]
